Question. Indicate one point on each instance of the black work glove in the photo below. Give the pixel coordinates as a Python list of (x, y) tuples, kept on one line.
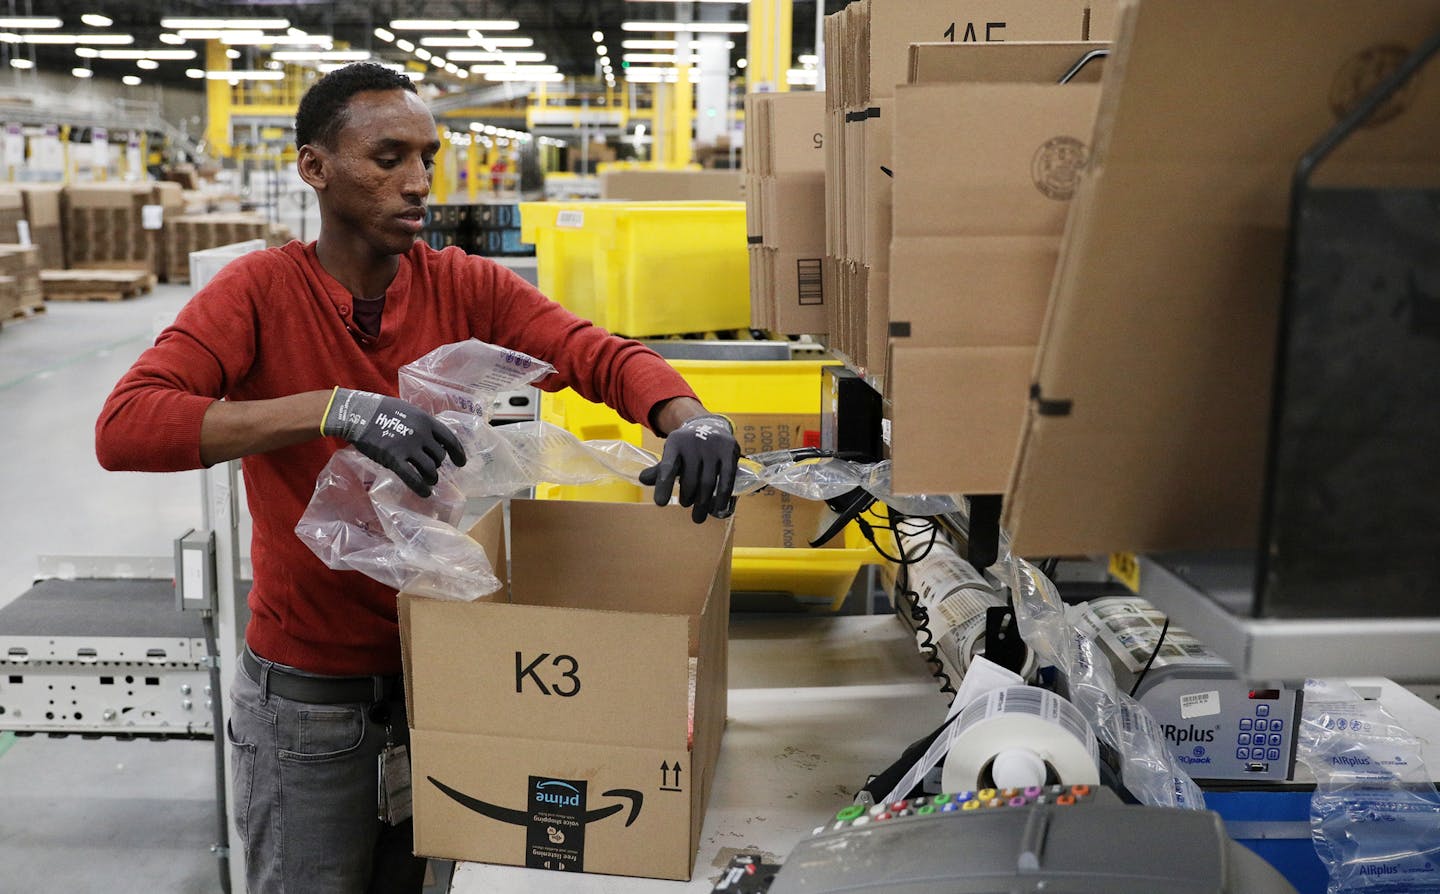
[(703, 454), (398, 435)]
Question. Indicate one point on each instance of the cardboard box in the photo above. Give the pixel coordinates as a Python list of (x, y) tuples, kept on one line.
[(672, 185), (106, 226), (985, 166), (42, 212), (12, 211), (868, 56), (785, 211), (551, 723), (22, 264), (1153, 384)]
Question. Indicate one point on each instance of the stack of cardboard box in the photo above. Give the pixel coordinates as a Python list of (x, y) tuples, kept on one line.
[(785, 211), (197, 232), (42, 214), (21, 263), (866, 57), (12, 213), (108, 226), (978, 217)]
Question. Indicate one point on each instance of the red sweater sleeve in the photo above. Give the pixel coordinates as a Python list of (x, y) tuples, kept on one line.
[(151, 420), (601, 367)]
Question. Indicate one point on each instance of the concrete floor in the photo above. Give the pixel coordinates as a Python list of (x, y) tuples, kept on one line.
[(92, 815)]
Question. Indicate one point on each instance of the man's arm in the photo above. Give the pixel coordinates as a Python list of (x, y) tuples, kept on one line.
[(231, 430), (671, 414)]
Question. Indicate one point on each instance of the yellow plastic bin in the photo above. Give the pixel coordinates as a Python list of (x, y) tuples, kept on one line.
[(644, 268), (737, 388)]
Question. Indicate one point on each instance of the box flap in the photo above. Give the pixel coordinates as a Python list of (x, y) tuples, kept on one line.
[(958, 415), (1038, 62)]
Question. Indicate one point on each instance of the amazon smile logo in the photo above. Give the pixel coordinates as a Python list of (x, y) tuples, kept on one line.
[(549, 792)]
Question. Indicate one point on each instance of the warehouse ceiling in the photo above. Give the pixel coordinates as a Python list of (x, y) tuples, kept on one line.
[(562, 30)]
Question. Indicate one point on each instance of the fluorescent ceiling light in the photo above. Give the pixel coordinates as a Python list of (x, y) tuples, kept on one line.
[(194, 72), (82, 72), (327, 67), (423, 53), (484, 56), (688, 1), (647, 44), (741, 62), (174, 55), (87, 52), (147, 64), (131, 80), (405, 45), (241, 75), (693, 27), (482, 42), (604, 61), (670, 58), (601, 49), (520, 76), (260, 39), (438, 61), (172, 39), (89, 39), (809, 59), (232, 54), (217, 34), (384, 35), (320, 55), (462, 73), (21, 63), (179, 24), (95, 20), (454, 24), (30, 22), (514, 69)]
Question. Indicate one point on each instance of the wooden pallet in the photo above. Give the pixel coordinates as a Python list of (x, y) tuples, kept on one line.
[(95, 285), (25, 313)]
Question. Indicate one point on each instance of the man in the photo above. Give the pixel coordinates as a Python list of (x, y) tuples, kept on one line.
[(304, 341)]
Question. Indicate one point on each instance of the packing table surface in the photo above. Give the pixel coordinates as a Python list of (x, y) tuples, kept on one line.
[(817, 705)]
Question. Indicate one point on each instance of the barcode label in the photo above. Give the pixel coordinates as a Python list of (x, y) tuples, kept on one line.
[(811, 281), (572, 219), (1023, 701)]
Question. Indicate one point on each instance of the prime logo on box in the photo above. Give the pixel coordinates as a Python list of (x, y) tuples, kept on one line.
[(555, 820)]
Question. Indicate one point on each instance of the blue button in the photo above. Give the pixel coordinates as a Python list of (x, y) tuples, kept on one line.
[(1262, 725), (1262, 710), (1245, 722), (1275, 739), (1273, 754), (1244, 739), (1277, 725), (1242, 754)]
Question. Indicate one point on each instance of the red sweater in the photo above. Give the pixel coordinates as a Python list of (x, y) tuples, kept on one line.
[(274, 323)]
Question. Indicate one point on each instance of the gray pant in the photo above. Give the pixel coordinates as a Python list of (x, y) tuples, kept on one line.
[(306, 794)]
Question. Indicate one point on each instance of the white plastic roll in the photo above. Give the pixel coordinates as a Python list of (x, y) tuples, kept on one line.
[(1016, 720)]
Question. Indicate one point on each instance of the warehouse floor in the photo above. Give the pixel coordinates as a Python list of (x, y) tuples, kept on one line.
[(92, 815)]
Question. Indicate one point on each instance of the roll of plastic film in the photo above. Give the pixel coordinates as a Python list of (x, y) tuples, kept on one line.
[(1020, 732)]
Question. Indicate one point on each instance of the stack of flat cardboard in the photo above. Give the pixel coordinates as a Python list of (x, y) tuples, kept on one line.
[(785, 211), (1153, 385), (197, 232), (866, 57), (22, 264), (9, 298), (12, 212), (107, 226), (988, 148), (95, 285), (42, 213)]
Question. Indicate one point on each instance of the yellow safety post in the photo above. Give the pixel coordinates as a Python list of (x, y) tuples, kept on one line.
[(682, 115), (440, 185), (217, 101), (472, 167), (769, 43)]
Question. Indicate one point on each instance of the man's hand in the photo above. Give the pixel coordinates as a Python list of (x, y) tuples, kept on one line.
[(398, 435), (703, 454)]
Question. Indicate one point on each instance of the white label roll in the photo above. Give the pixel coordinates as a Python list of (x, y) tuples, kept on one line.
[(1013, 724)]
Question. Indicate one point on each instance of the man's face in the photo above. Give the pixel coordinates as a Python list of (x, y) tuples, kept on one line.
[(380, 168)]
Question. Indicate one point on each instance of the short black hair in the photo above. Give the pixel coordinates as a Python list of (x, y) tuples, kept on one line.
[(322, 109)]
